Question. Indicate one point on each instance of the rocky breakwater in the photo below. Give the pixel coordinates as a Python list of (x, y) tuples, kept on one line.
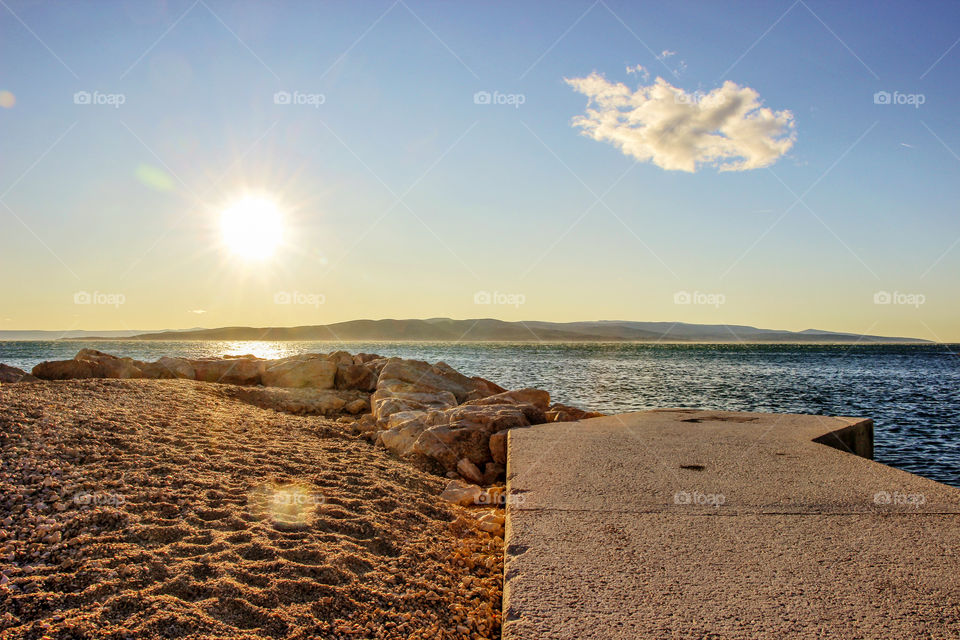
[(428, 414), (306, 384), (431, 414)]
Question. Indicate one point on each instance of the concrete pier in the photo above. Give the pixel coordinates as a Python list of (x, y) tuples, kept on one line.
[(705, 524)]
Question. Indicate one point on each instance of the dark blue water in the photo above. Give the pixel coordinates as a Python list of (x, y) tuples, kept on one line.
[(912, 392)]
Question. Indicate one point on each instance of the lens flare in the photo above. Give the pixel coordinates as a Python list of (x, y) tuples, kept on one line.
[(285, 504)]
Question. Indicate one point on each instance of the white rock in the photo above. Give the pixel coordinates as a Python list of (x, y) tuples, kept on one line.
[(461, 493)]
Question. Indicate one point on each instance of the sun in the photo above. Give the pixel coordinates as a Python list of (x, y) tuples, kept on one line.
[(252, 227)]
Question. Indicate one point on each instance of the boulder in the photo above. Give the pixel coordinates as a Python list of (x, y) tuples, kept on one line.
[(492, 472), (427, 396), (64, 370), (365, 425), (395, 395), (243, 370), (403, 418), (461, 493), (438, 377), (498, 447), (469, 471), (88, 363), (315, 402), (483, 388), (533, 402), (307, 370), (302, 401), (376, 365), (563, 413), (449, 435), (536, 397), (168, 368), (364, 358), (400, 441), (340, 358), (447, 444), (404, 427), (108, 366), (355, 376), (386, 406), (490, 419), (12, 374), (446, 435), (360, 405)]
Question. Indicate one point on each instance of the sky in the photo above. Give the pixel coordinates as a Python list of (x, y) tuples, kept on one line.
[(786, 165)]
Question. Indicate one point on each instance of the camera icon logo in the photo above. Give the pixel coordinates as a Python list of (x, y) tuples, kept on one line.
[(81, 97), (881, 97), (882, 297), (281, 297), (681, 297), (482, 297), (481, 97), (281, 97), (882, 497), (82, 297), (682, 497)]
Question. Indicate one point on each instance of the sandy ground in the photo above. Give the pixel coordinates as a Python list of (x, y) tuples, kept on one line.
[(173, 509)]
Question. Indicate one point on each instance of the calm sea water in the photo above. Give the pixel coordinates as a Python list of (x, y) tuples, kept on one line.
[(911, 392)]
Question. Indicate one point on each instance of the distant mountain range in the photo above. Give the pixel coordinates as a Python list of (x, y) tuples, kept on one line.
[(79, 334), (489, 330)]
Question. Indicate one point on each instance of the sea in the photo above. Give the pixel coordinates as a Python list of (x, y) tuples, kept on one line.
[(912, 392)]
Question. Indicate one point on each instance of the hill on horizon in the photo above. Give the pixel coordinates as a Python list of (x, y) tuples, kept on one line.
[(492, 330)]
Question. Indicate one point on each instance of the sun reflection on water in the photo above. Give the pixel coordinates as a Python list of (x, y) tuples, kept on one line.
[(265, 350)]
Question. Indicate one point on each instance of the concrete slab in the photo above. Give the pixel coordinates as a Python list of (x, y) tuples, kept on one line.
[(694, 524)]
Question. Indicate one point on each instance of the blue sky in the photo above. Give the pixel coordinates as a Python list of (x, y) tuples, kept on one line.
[(495, 197)]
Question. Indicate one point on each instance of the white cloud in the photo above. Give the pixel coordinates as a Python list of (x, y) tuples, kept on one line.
[(728, 128), (664, 56), (640, 70), (198, 312)]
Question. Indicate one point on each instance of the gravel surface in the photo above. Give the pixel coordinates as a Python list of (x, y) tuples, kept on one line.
[(174, 509)]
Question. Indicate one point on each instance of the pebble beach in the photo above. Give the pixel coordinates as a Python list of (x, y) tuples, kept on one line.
[(176, 509)]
